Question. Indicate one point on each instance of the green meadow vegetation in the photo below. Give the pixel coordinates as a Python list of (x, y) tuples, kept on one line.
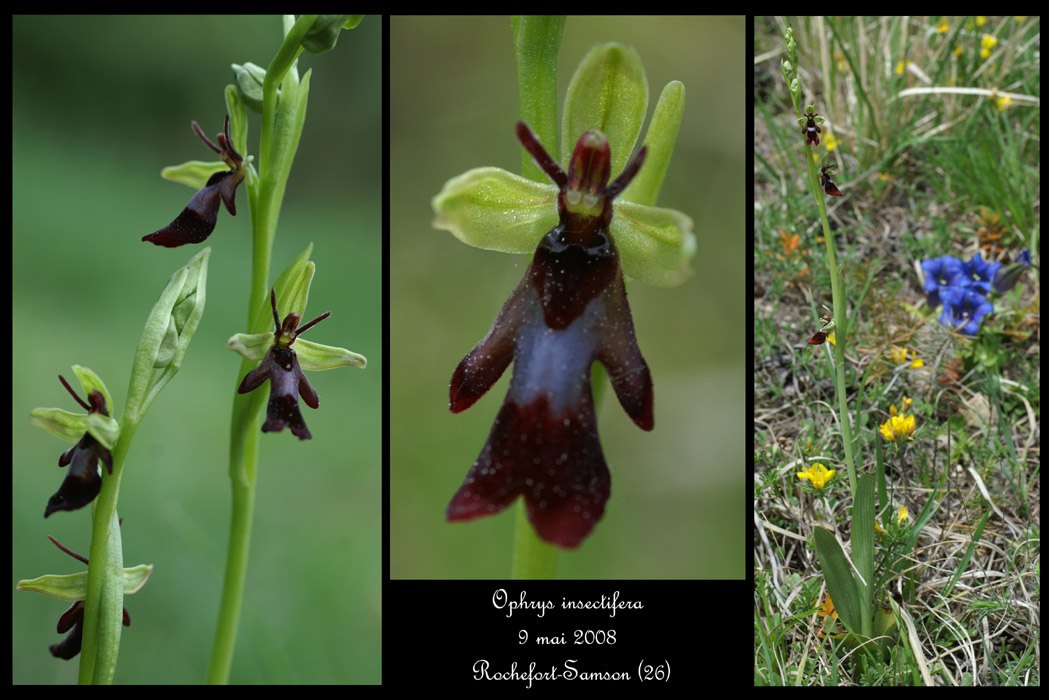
[(896, 351)]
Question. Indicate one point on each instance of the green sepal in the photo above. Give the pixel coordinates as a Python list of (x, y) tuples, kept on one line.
[(660, 140), (352, 21), (251, 346), (238, 121), (63, 424), (315, 356), (194, 173), (293, 291), (91, 381), (74, 586), (494, 209), (655, 244), (608, 92)]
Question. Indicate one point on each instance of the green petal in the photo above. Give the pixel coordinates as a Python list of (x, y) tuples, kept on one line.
[(609, 92), (660, 139), (60, 423), (493, 209), (655, 244), (194, 173), (74, 586), (316, 356)]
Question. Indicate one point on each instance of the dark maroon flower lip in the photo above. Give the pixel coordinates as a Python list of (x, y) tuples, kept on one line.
[(196, 222), (83, 480), (569, 311), (287, 380)]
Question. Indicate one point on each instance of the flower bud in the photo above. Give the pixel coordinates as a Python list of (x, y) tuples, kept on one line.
[(250, 79), (325, 32)]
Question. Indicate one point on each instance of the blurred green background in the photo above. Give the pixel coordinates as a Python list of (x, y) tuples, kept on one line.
[(679, 500), (100, 104)]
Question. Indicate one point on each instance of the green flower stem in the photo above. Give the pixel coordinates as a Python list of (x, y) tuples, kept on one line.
[(537, 43), (281, 127), (104, 605), (837, 279), (837, 290)]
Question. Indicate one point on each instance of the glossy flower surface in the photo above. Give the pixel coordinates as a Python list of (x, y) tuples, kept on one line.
[(569, 310)]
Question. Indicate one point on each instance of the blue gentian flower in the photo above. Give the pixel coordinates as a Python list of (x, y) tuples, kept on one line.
[(979, 273), (941, 273), (963, 309)]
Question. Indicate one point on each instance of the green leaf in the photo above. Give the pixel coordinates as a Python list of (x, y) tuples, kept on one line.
[(840, 583), (863, 548), (608, 92)]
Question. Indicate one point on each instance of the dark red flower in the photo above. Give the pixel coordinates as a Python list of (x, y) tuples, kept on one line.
[(287, 381), (811, 131), (828, 184), (569, 310), (83, 480), (197, 220)]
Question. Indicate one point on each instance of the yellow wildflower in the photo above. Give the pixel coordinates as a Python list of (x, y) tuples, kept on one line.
[(818, 474), (900, 426)]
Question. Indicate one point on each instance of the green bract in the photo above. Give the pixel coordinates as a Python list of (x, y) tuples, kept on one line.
[(494, 209)]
